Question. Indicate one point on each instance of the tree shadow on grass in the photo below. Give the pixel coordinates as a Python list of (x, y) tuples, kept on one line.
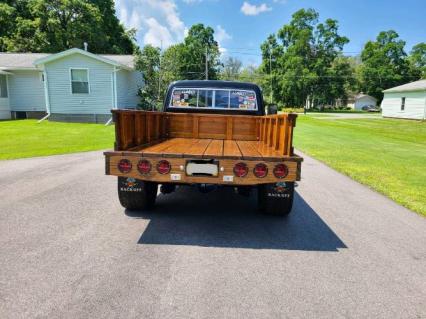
[(225, 219)]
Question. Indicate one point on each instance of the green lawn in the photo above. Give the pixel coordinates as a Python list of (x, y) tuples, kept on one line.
[(386, 154), (27, 138)]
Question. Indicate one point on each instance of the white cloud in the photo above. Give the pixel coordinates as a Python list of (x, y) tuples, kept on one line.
[(157, 21), (222, 36), (253, 10), (157, 34)]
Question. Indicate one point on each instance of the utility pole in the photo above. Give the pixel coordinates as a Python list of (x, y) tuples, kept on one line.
[(207, 64), (159, 72), (270, 70)]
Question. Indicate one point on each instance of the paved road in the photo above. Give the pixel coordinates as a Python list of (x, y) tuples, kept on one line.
[(68, 250)]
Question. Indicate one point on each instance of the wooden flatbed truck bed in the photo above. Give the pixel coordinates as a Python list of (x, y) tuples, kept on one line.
[(174, 148)]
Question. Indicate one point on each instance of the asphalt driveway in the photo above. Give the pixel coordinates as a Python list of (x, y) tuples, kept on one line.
[(68, 250)]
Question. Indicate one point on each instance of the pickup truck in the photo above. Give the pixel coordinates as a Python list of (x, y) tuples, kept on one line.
[(209, 133)]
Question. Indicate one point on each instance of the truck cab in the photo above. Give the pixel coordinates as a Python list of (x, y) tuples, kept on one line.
[(208, 133)]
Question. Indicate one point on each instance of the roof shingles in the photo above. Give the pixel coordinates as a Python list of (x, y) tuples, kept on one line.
[(13, 61), (413, 86)]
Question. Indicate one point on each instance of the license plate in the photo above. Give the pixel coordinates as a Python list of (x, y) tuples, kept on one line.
[(202, 168)]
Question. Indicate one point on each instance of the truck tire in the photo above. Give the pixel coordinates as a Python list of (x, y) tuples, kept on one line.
[(276, 199), (135, 194)]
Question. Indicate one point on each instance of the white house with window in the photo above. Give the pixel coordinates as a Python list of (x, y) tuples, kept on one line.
[(405, 101), (73, 85), (363, 100)]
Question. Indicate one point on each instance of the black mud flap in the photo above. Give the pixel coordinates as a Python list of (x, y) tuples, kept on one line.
[(276, 198), (130, 185), (280, 190)]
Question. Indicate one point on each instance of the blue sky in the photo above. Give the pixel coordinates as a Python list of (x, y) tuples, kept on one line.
[(242, 25)]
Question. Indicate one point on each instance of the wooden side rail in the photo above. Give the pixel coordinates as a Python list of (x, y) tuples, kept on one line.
[(276, 132), (140, 128), (136, 128), (213, 126)]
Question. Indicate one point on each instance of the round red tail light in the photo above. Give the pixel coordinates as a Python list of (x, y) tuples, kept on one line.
[(144, 167), (240, 170), (280, 171), (124, 166), (164, 167), (260, 170)]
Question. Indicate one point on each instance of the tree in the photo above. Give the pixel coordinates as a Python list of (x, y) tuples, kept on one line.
[(298, 61), (122, 41), (170, 65), (417, 60), (384, 64), (252, 74), (192, 56), (341, 81), (57, 25), (231, 69), (148, 62), (181, 61)]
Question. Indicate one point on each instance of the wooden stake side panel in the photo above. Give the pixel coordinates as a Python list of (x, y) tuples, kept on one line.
[(276, 132), (178, 163), (212, 126), (135, 128)]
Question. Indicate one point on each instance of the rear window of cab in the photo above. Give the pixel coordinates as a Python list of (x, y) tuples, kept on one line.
[(244, 100)]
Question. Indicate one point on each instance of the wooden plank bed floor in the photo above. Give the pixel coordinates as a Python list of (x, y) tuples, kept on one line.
[(212, 148)]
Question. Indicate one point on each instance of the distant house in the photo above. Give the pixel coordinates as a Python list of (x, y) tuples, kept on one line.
[(405, 101), (73, 85), (360, 100)]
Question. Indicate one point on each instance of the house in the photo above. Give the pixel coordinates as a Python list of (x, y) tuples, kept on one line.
[(73, 85), (360, 100), (406, 101)]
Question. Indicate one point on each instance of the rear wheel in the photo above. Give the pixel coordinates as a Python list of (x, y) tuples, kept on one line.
[(135, 194), (276, 199)]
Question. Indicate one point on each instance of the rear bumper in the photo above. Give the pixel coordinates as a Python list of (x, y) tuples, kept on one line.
[(225, 176)]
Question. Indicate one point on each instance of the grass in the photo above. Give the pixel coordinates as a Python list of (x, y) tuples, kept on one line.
[(386, 154), (27, 138)]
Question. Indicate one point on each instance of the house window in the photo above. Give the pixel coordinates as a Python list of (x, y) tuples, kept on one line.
[(3, 86), (402, 103), (79, 81)]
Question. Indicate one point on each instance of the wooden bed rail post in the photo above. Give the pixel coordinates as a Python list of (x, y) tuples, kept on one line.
[(195, 125), (229, 128), (292, 125), (117, 143)]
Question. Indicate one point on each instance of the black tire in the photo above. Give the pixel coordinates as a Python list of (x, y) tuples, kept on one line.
[(135, 194), (276, 199)]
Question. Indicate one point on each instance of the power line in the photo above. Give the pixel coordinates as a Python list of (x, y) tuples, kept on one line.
[(159, 71), (260, 54)]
